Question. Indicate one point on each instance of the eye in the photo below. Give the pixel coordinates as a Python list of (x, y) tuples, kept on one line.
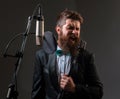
[(70, 27), (77, 29)]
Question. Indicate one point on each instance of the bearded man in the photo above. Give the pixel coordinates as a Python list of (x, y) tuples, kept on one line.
[(68, 72)]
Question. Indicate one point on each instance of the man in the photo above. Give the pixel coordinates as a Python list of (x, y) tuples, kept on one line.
[(68, 72)]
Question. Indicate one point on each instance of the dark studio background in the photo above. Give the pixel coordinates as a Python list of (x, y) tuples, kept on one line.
[(101, 30)]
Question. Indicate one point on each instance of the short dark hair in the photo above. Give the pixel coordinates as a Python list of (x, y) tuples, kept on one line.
[(68, 14)]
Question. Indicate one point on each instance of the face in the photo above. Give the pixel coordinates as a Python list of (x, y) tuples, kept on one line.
[(69, 34)]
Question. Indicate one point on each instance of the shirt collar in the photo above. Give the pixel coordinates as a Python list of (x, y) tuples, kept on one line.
[(59, 52)]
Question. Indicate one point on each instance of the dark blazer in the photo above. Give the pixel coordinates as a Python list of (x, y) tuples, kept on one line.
[(83, 73)]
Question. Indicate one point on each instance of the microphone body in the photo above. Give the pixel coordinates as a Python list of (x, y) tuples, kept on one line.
[(39, 30), (39, 33)]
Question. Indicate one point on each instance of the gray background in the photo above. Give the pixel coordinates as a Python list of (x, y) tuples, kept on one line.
[(101, 30)]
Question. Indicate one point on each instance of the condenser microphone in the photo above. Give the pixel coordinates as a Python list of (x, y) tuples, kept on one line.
[(39, 27)]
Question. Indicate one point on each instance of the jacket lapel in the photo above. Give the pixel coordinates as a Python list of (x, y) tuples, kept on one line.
[(53, 71), (76, 70)]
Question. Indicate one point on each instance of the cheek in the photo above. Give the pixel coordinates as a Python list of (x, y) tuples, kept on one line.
[(64, 33), (78, 34)]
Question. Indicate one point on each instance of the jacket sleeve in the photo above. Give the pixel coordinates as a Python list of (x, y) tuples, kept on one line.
[(93, 88), (48, 46), (38, 82)]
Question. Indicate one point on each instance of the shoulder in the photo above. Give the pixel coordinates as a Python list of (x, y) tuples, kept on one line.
[(85, 52), (40, 53), (88, 55)]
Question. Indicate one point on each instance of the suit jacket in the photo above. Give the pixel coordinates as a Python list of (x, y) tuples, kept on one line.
[(83, 73)]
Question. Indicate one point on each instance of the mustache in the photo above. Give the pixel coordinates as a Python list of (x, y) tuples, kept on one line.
[(73, 36)]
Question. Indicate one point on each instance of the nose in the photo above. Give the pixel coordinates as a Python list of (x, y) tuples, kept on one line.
[(75, 32)]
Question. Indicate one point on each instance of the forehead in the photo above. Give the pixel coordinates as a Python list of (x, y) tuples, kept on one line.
[(72, 22)]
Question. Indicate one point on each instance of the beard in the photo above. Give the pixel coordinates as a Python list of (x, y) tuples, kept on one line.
[(69, 42)]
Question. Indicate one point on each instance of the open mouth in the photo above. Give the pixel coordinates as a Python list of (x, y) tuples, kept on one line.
[(73, 38)]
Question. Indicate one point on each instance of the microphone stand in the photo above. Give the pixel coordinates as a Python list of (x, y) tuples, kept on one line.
[(12, 88), (12, 92)]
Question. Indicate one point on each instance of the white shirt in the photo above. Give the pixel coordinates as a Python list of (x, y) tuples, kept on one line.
[(64, 63)]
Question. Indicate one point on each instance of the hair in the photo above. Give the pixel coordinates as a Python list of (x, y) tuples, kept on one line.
[(68, 14)]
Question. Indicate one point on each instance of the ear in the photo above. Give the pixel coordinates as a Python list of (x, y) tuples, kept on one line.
[(58, 29)]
